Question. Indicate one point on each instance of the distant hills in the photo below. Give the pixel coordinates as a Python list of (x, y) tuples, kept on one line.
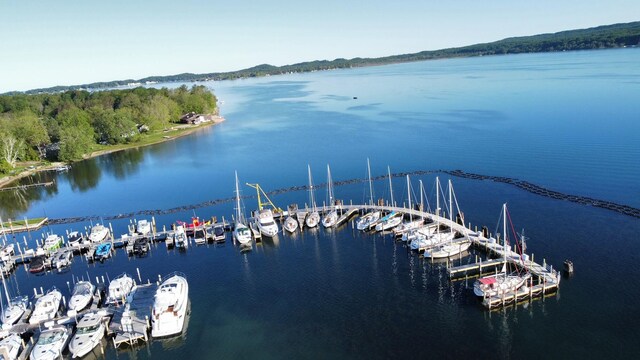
[(601, 37)]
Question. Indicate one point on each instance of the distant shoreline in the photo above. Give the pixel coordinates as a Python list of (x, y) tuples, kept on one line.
[(182, 130)]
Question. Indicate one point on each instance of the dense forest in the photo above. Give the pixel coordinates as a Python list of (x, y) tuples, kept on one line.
[(64, 126), (602, 37)]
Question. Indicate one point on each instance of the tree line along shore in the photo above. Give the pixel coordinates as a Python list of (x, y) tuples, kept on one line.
[(68, 126), (601, 37)]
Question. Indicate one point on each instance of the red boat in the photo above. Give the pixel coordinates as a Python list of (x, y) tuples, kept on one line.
[(195, 223)]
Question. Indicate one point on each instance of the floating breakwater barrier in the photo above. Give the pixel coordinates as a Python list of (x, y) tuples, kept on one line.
[(522, 184)]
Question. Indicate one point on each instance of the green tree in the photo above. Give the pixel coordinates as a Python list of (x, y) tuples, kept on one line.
[(76, 134)]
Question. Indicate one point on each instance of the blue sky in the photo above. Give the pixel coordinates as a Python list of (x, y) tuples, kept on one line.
[(46, 43)]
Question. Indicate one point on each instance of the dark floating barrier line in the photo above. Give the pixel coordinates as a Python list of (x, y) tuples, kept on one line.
[(524, 185)]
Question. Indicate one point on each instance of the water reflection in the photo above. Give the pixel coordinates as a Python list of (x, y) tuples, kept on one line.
[(14, 202), (122, 164), (84, 175)]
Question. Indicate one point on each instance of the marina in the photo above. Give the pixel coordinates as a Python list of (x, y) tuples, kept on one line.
[(344, 293)]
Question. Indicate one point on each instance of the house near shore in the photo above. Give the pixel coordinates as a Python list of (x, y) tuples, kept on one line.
[(194, 119)]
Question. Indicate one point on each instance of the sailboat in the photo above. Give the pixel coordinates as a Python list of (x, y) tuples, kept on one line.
[(502, 282), (330, 218), (405, 227), (373, 216), (241, 231), (264, 220), (15, 308), (313, 218), (290, 223), (452, 246)]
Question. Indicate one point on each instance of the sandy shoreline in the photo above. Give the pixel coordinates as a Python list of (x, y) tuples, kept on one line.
[(190, 130)]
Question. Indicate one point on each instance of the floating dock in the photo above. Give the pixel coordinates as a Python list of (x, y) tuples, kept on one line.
[(131, 323)]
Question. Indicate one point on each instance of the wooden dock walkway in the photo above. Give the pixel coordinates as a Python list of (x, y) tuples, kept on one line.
[(131, 323)]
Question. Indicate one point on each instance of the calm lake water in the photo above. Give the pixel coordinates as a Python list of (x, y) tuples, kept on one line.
[(566, 121)]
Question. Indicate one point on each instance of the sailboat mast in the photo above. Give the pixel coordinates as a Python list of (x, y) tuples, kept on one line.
[(409, 197), (450, 201), (437, 196), (6, 292), (312, 199), (330, 185), (370, 184), (504, 230), (393, 203), (238, 211), (421, 196)]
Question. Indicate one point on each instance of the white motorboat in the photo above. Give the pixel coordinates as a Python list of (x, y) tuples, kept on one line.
[(7, 251), (200, 235), (181, 240), (15, 310), (50, 344), (81, 296), (75, 239), (143, 227), (241, 231), (46, 306), (63, 259), (52, 242), (89, 332), (218, 233), (170, 306), (266, 224), (290, 224), (11, 346), (503, 282), (99, 233), (119, 289), (313, 219)]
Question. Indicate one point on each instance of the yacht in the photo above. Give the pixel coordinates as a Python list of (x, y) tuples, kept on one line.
[(266, 224), (200, 235), (119, 289), (52, 242), (11, 346), (15, 310), (46, 306), (89, 332), (81, 296), (431, 241), (181, 240), (51, 343), (143, 227), (99, 233), (170, 306)]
